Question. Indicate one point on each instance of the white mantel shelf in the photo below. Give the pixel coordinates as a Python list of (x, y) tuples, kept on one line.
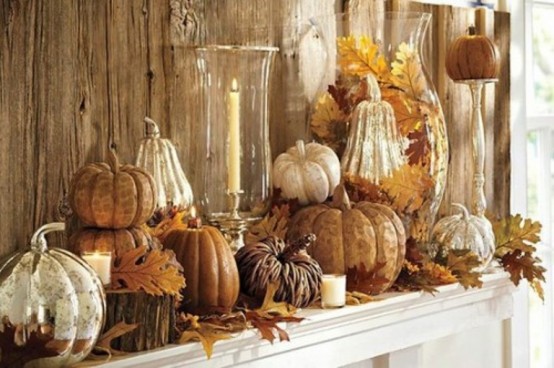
[(339, 337)]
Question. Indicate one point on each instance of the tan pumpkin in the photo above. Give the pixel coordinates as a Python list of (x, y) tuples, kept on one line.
[(274, 261), (106, 240), (309, 172), (359, 236), (472, 56), (209, 268), (112, 196)]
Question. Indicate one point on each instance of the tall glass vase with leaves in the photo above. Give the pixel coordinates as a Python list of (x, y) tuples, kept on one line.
[(402, 159)]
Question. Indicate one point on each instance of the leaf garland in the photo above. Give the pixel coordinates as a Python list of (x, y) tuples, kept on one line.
[(153, 272)]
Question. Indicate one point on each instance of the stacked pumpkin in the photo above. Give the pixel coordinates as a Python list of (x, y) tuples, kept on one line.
[(113, 202)]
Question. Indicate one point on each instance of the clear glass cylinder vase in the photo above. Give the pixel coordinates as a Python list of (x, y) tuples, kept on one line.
[(235, 170), (399, 158)]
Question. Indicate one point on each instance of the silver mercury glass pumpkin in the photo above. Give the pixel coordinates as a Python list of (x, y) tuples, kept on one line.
[(374, 148), (52, 306), (158, 157)]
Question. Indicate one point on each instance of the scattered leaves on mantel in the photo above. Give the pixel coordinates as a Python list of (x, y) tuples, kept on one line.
[(364, 281), (208, 333), (118, 330), (359, 298), (516, 240), (154, 272)]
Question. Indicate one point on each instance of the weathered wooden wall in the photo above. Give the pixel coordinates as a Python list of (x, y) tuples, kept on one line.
[(78, 75)]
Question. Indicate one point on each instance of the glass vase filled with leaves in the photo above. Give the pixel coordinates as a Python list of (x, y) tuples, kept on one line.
[(378, 109)]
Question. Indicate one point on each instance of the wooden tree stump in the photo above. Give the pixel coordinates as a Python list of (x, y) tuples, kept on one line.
[(155, 316)]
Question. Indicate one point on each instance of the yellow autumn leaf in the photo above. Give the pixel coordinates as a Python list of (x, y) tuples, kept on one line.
[(360, 57), (153, 272), (408, 187), (407, 72), (328, 122)]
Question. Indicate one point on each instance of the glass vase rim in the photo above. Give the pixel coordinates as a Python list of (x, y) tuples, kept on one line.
[(255, 48), (394, 14)]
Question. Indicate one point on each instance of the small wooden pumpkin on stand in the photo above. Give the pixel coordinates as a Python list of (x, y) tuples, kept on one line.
[(158, 157), (358, 236), (273, 261), (464, 231), (309, 172), (472, 56), (52, 306), (114, 201), (209, 267)]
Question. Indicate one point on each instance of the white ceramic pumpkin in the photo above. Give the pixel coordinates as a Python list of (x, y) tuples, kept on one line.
[(464, 231), (309, 172)]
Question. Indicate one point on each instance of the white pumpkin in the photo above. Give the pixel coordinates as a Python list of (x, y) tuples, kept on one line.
[(464, 231), (309, 172)]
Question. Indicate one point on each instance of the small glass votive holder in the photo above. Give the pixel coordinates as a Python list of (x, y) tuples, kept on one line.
[(101, 263), (333, 291)]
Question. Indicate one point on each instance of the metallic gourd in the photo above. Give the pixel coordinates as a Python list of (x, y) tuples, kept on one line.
[(158, 157), (52, 306), (375, 147), (464, 231)]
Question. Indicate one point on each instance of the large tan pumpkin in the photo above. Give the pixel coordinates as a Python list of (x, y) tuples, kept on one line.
[(107, 240), (472, 56), (209, 268), (359, 236), (112, 196)]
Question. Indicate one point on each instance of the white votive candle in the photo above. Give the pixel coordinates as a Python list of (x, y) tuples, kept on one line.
[(333, 291), (101, 262)]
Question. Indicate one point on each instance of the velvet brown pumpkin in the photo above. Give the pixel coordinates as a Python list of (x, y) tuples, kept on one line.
[(472, 56), (112, 196), (209, 268), (107, 240), (360, 236), (273, 261)]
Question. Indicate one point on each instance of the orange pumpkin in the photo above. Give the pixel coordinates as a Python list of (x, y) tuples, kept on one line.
[(107, 240), (209, 268), (359, 236), (112, 196), (472, 56)]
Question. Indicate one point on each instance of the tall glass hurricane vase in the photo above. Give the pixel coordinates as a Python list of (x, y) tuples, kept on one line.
[(236, 166), (379, 110)]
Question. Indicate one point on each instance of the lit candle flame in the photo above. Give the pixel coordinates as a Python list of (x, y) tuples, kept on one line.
[(234, 85), (193, 212)]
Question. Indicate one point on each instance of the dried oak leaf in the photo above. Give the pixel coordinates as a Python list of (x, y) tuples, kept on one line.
[(153, 272), (515, 233), (359, 189), (523, 265), (329, 123), (358, 298), (360, 57), (461, 263), (274, 223), (340, 96), (419, 148), (207, 333), (104, 343), (366, 281), (407, 72), (408, 113), (407, 187), (267, 317)]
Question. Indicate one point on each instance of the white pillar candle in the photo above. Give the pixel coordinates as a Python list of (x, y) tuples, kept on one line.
[(333, 291), (233, 183), (101, 262)]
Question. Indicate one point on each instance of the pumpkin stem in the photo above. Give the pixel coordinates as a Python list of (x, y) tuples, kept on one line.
[(373, 90), (113, 161), (463, 209), (297, 246), (301, 148), (151, 129), (38, 241), (340, 198), (471, 30)]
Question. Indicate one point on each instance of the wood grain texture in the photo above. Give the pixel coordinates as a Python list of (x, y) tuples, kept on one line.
[(76, 76)]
